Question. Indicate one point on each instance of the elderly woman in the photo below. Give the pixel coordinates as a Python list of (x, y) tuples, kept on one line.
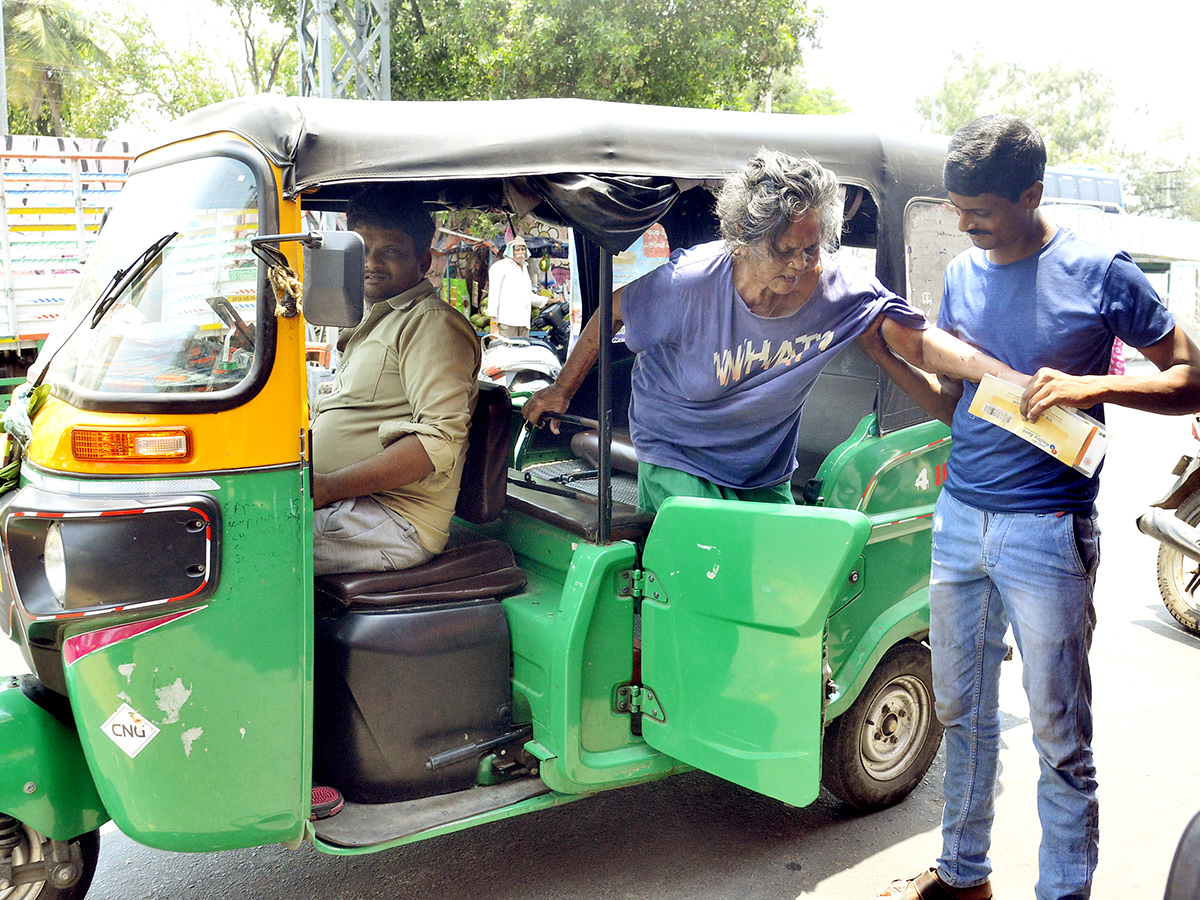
[(731, 335)]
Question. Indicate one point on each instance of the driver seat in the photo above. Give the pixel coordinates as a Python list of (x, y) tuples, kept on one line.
[(414, 664)]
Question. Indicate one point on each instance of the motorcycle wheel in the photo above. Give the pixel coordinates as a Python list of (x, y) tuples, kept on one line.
[(29, 847), (877, 751), (1179, 576)]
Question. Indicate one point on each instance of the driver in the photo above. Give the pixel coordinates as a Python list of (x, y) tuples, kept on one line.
[(389, 442)]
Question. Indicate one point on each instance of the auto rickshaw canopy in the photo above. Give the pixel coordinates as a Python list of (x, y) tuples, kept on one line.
[(609, 170)]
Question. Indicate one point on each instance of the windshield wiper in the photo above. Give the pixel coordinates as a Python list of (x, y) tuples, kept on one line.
[(107, 297), (123, 277)]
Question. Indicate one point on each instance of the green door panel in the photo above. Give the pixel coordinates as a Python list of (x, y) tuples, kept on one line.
[(736, 597), (572, 647)]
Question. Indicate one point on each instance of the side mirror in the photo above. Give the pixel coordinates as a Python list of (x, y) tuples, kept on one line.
[(333, 273), (333, 278)]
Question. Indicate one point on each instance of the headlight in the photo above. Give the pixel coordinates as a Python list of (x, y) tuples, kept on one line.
[(69, 554), (55, 559)]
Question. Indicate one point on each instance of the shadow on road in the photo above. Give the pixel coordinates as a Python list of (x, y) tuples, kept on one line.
[(1164, 624), (691, 836)]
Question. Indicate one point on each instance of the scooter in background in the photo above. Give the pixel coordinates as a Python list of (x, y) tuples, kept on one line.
[(520, 364), (1174, 521), (1183, 882), (555, 320)]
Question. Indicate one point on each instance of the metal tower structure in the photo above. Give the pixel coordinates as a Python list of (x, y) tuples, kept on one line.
[(345, 48)]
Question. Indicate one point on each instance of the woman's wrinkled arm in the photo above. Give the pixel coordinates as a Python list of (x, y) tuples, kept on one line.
[(936, 396), (557, 397)]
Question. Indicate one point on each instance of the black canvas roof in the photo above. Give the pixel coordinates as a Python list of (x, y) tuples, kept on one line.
[(335, 140), (327, 146)]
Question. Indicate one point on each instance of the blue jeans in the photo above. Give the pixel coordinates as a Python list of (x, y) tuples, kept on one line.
[(1037, 572)]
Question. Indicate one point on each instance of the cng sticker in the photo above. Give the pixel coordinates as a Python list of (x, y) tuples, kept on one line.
[(129, 730)]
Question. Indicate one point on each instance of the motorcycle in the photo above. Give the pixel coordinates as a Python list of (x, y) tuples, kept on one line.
[(555, 320), (1183, 882), (1173, 521)]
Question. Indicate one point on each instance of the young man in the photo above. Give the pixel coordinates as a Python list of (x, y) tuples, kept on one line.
[(388, 443), (1014, 534)]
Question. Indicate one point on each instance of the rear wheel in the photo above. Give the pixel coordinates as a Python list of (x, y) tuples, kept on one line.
[(69, 881), (1179, 576), (879, 749)]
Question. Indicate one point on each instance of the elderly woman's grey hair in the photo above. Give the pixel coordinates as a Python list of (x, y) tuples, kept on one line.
[(759, 201)]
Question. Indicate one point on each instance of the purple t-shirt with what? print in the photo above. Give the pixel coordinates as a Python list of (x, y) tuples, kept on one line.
[(718, 390)]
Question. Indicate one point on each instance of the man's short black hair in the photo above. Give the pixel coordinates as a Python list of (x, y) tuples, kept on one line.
[(1001, 155), (395, 208)]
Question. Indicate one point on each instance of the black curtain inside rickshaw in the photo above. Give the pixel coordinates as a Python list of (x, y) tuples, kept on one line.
[(611, 210)]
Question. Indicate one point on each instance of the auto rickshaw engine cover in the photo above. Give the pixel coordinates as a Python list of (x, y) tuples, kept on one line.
[(396, 685)]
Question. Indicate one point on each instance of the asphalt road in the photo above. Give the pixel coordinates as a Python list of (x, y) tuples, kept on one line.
[(696, 836)]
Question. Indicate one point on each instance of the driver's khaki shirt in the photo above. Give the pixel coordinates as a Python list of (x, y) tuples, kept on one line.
[(410, 367)]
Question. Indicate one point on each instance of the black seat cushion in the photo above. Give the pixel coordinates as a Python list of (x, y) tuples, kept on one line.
[(483, 568)]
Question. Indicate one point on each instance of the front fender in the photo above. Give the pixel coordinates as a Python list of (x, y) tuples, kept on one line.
[(47, 783), (1188, 481)]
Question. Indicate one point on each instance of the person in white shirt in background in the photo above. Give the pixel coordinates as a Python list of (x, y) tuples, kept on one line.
[(510, 291)]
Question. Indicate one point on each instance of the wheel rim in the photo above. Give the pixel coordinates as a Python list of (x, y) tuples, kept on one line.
[(895, 727), (1183, 574), (28, 850)]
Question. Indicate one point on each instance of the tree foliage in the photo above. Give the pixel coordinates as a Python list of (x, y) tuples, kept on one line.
[(790, 93), (94, 77), (672, 52), (270, 52), (51, 50), (1072, 108), (1164, 183), (83, 76), (148, 81), (723, 53), (1073, 111)]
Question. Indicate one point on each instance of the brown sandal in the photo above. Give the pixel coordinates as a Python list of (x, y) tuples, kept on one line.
[(929, 887)]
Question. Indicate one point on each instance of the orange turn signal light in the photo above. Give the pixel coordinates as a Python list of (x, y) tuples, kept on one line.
[(130, 444)]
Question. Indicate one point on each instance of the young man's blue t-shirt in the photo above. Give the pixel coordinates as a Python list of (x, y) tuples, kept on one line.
[(717, 389), (1060, 308)]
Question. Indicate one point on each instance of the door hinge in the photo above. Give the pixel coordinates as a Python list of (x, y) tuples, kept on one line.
[(640, 584), (637, 699), (629, 583)]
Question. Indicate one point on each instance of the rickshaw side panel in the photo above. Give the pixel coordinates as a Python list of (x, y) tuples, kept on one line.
[(572, 632), (225, 689), (895, 480)]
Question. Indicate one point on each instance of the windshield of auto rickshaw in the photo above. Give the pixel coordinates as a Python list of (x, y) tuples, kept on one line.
[(167, 302)]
